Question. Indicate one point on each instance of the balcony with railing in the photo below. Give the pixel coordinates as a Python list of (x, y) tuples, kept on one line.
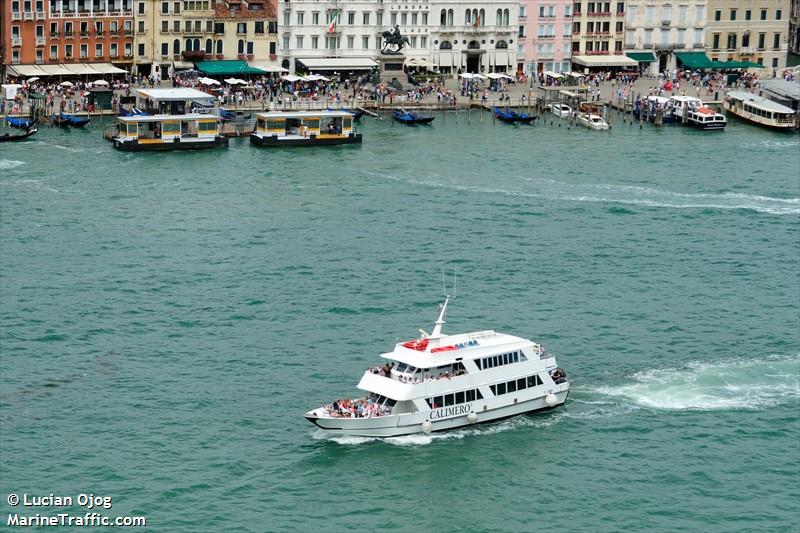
[(40, 15), (40, 40), (16, 41), (16, 15), (27, 16)]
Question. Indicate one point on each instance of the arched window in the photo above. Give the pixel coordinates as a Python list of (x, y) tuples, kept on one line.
[(468, 17), (482, 17), (240, 47), (176, 46), (443, 18), (188, 46), (505, 17), (474, 45), (446, 45), (208, 46), (475, 17), (449, 17), (501, 44), (499, 17), (219, 47), (196, 45)]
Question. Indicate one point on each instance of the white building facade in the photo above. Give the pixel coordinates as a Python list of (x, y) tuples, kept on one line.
[(474, 36), (662, 29), (346, 36)]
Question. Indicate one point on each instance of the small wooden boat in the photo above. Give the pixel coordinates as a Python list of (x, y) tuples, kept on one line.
[(410, 117), (75, 120), (21, 123), (9, 137)]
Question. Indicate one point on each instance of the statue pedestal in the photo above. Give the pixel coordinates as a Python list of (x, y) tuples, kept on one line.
[(391, 67)]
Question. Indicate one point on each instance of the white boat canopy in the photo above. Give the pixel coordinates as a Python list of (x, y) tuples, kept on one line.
[(177, 94)]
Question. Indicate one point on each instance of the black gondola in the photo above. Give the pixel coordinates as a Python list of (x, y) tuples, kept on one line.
[(9, 137)]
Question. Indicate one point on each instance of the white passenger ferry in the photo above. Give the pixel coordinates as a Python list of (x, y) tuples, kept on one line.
[(304, 128), (690, 110), (440, 382), (759, 110)]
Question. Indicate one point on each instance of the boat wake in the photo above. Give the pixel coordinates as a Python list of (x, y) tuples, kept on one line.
[(6, 164), (734, 384), (633, 195)]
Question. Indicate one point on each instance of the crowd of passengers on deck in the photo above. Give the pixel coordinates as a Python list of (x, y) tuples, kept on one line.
[(386, 371), (367, 407)]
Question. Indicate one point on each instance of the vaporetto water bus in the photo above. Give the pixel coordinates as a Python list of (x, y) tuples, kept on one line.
[(193, 131), (760, 110), (304, 128), (440, 382)]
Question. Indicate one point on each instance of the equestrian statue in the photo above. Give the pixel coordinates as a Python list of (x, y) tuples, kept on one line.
[(393, 38)]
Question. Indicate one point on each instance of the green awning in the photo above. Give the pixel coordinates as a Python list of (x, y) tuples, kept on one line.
[(226, 68), (642, 57), (694, 60)]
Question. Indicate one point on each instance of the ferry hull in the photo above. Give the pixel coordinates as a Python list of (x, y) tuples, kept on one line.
[(312, 140), (395, 426), (783, 126), (134, 146)]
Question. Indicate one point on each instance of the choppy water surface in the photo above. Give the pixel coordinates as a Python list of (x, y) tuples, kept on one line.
[(167, 318)]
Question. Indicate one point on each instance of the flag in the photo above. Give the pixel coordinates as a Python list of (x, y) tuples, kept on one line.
[(334, 15)]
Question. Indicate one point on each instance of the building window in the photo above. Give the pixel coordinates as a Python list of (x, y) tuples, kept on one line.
[(84, 51), (141, 26), (701, 13), (240, 46), (176, 46), (778, 14), (272, 26), (351, 18), (763, 14), (365, 42), (350, 41), (272, 48), (762, 38), (54, 51), (241, 27), (776, 41), (299, 41), (731, 41), (315, 18), (259, 27), (164, 49), (141, 8), (301, 16), (747, 14), (423, 42), (250, 47), (774, 62), (164, 8), (98, 50), (425, 19), (718, 14), (733, 14), (393, 19), (314, 42), (365, 18)]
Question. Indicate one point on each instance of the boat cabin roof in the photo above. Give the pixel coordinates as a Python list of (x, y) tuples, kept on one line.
[(449, 349), (171, 118), (681, 98), (305, 114), (176, 94), (760, 101)]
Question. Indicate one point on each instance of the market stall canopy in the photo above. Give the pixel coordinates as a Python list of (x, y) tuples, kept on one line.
[(338, 63), (100, 82), (72, 69), (226, 68), (551, 74), (10, 90), (235, 81), (642, 57), (605, 61), (316, 77), (208, 81), (177, 94), (182, 65), (694, 60), (291, 78), (267, 66), (34, 78), (66, 84)]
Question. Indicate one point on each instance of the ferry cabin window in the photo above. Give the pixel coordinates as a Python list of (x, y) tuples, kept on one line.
[(347, 123), (170, 128), (460, 397), (311, 123), (401, 367), (262, 124), (501, 388), (453, 399), (207, 127)]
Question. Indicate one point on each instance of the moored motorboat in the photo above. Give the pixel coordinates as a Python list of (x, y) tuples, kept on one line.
[(411, 117), (705, 118), (192, 131), (760, 110), (439, 382), (9, 137), (592, 121)]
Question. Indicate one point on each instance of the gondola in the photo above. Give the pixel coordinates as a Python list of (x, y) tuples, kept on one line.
[(21, 123), (75, 120), (59, 120), (512, 117), (8, 137), (357, 112), (409, 117)]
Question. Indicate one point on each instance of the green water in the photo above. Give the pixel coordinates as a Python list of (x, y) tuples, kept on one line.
[(165, 320)]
